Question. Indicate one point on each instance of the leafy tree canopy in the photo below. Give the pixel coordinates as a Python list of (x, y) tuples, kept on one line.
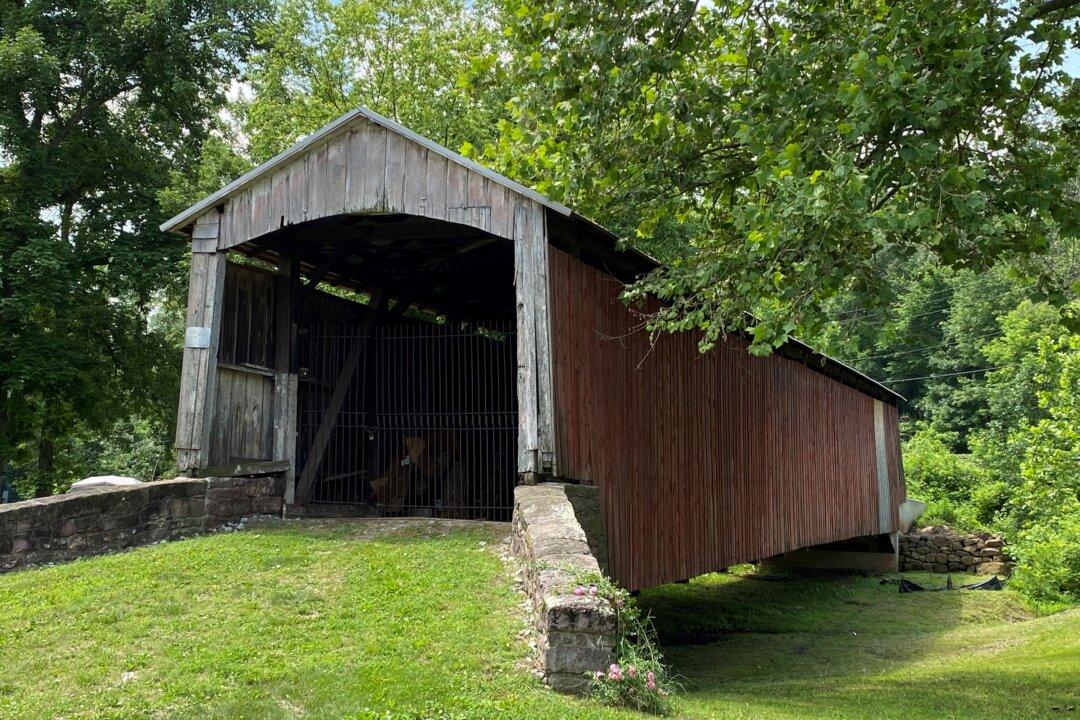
[(401, 58), (808, 146), (100, 101)]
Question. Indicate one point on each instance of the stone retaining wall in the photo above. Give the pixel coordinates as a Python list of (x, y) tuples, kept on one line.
[(941, 549), (575, 634), (69, 526)]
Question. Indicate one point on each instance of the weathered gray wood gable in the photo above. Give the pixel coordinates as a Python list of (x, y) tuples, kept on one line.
[(360, 164)]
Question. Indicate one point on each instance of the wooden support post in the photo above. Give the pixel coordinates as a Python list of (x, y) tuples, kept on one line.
[(285, 378), (337, 399), (535, 414), (198, 378)]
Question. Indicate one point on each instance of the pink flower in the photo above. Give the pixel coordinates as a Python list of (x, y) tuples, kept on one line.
[(631, 670), (593, 590), (579, 590), (614, 673), (599, 674), (650, 676), (650, 684)]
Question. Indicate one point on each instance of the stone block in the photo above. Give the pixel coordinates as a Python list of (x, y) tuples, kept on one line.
[(268, 505), (179, 507), (576, 659), (92, 523), (569, 683)]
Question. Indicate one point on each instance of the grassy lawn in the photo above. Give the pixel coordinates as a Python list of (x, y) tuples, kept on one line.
[(335, 620), (851, 647)]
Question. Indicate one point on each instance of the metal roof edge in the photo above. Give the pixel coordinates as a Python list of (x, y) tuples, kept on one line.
[(846, 368), (179, 221)]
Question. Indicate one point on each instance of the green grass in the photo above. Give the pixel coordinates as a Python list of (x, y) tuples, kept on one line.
[(853, 647), (301, 621), (332, 620)]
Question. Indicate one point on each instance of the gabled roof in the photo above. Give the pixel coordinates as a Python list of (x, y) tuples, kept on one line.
[(342, 123), (793, 349)]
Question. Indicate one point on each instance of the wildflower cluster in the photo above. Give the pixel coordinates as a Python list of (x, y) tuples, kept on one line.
[(639, 678)]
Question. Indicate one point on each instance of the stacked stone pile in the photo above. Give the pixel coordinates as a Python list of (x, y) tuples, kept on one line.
[(941, 549)]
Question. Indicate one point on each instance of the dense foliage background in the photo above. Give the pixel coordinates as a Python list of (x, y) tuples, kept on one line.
[(895, 183)]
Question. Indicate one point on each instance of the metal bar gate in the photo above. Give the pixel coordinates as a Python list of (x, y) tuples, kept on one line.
[(428, 424)]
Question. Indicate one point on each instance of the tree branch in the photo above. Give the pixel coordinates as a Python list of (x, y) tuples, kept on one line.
[(1052, 6), (1038, 13)]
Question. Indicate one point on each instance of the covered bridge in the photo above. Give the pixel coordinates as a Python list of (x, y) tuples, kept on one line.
[(396, 327)]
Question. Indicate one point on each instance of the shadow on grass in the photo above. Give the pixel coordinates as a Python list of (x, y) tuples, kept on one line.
[(714, 606), (849, 646)]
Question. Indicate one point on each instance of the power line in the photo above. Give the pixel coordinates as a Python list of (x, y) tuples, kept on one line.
[(941, 375), (871, 315), (930, 297), (957, 341), (854, 311)]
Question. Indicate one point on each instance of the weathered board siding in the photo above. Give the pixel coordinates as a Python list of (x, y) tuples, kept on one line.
[(243, 419), (704, 461), (367, 168), (198, 375), (364, 167)]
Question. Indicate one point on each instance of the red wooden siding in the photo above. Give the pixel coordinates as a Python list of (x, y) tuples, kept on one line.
[(704, 461)]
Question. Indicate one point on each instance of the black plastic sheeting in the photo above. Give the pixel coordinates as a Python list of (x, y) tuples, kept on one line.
[(993, 583)]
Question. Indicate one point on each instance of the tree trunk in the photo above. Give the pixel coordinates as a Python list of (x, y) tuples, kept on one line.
[(44, 483)]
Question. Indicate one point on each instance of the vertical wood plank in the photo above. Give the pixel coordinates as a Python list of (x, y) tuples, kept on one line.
[(198, 378), (456, 194), (279, 199), (436, 188), (318, 173), (416, 159), (528, 445), (396, 147), (373, 195), (297, 198), (260, 208), (286, 382), (355, 159), (335, 176), (478, 201)]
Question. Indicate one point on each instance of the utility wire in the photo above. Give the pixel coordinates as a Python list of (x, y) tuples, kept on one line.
[(840, 317), (941, 375), (971, 282), (871, 316), (957, 341)]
